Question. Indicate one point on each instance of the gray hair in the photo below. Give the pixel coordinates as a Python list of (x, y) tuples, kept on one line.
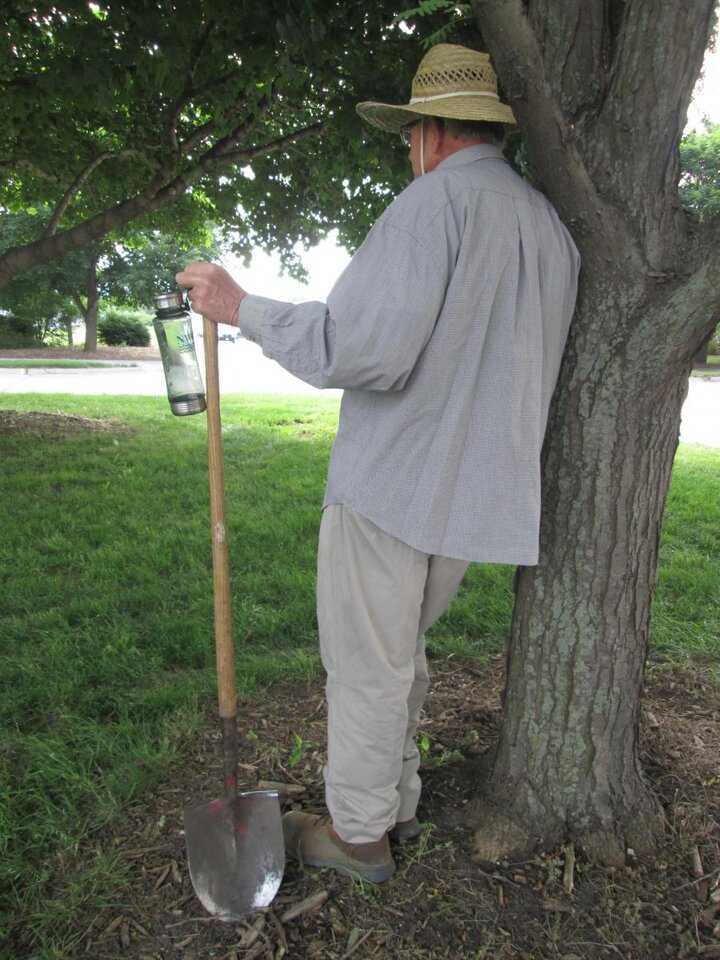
[(486, 130)]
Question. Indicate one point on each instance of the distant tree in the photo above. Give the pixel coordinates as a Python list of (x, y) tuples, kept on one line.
[(38, 306), (700, 180), (136, 271), (700, 187), (130, 271)]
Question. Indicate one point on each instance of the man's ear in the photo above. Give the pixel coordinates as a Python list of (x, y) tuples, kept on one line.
[(435, 141), (435, 129)]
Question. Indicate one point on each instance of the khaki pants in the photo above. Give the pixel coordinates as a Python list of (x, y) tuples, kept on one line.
[(376, 598)]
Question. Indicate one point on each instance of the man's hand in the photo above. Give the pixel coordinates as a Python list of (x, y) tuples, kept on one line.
[(212, 291)]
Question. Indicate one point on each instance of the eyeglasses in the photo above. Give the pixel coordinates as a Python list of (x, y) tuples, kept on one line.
[(406, 131)]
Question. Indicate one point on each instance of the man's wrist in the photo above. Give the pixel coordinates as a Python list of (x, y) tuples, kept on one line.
[(235, 319)]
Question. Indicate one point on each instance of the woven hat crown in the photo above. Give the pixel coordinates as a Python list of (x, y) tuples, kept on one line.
[(451, 81), (451, 69)]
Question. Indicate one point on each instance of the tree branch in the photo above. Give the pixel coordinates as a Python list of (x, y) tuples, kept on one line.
[(243, 156), (188, 91), (201, 132), (549, 135), (24, 164), (641, 108), (688, 315), (574, 42), (72, 190), (197, 136), (77, 300), (77, 183), (156, 196)]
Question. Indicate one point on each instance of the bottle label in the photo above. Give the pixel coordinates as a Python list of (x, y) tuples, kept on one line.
[(179, 336)]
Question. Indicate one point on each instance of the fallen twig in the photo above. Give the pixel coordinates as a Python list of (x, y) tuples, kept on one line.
[(569, 870), (162, 878), (313, 902), (284, 789), (253, 932), (180, 923), (136, 854), (702, 886), (712, 950), (279, 930), (690, 883), (356, 946)]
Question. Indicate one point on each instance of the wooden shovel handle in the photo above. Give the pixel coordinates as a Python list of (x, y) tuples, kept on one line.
[(224, 650)]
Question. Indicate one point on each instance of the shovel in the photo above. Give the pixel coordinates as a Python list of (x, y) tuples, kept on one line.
[(236, 853)]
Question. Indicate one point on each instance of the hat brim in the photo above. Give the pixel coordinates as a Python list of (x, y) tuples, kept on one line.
[(393, 117)]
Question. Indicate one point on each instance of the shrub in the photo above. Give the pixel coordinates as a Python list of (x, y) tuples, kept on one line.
[(16, 332), (714, 345), (123, 328)]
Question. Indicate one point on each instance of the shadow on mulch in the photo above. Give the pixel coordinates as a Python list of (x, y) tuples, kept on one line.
[(441, 903)]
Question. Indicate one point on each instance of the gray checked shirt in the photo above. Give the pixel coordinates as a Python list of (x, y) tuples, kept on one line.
[(446, 332)]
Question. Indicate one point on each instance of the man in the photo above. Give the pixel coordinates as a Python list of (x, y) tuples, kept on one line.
[(446, 333)]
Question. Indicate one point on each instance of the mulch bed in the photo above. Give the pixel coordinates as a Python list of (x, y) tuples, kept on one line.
[(441, 903), (55, 425)]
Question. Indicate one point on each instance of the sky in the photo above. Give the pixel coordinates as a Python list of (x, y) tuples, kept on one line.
[(706, 99), (327, 261)]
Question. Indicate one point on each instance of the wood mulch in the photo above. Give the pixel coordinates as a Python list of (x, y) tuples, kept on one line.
[(441, 903)]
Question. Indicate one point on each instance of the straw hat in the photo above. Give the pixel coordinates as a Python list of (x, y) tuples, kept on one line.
[(451, 81)]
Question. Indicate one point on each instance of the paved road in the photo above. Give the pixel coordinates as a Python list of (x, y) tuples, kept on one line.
[(243, 369)]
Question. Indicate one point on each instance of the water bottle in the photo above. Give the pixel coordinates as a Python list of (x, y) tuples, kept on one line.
[(185, 388)]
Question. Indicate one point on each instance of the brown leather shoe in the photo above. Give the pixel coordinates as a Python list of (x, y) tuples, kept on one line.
[(405, 829), (312, 840)]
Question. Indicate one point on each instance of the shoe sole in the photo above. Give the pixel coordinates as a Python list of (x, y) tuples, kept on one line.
[(377, 874), (405, 833)]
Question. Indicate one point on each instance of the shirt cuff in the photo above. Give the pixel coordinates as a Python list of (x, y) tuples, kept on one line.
[(250, 316)]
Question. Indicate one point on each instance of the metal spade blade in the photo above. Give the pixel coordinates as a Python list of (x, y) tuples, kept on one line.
[(236, 854)]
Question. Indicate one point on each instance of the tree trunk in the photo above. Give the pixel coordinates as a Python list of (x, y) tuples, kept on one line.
[(567, 762), (91, 308)]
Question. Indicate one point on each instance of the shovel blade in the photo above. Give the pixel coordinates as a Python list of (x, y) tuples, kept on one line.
[(236, 853)]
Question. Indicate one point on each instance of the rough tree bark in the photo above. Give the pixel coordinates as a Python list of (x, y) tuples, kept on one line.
[(600, 89)]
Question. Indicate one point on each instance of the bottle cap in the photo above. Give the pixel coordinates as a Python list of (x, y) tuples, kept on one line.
[(166, 301)]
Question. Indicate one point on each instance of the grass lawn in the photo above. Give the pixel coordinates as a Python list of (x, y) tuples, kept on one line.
[(711, 368), (106, 625)]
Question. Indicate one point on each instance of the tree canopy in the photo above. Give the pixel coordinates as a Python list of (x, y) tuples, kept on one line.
[(114, 111)]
